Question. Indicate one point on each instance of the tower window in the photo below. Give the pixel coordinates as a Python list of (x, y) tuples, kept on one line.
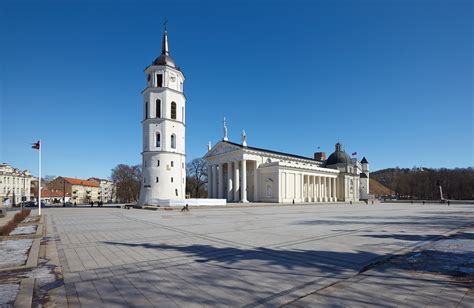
[(158, 163), (158, 108), (157, 179), (172, 164), (182, 113), (159, 80), (176, 191), (158, 141), (171, 179), (173, 141), (173, 110), (146, 110)]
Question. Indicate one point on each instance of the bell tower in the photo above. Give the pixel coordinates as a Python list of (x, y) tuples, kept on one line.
[(163, 154)]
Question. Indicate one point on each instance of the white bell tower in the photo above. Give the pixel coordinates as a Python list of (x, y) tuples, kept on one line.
[(164, 105)]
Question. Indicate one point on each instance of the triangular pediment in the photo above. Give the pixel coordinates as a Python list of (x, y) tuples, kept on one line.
[(221, 148)]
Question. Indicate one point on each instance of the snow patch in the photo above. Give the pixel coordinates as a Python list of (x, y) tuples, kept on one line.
[(44, 275), (8, 293), (24, 230), (14, 252)]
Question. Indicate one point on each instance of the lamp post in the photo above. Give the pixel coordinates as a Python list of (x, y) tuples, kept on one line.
[(64, 192)]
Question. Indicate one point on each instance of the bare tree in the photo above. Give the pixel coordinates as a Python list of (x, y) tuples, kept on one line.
[(127, 181), (422, 183), (196, 171)]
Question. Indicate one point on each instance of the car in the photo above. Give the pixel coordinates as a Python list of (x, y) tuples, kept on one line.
[(29, 204)]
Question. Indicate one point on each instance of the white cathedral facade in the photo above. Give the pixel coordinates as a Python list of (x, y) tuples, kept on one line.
[(241, 173)]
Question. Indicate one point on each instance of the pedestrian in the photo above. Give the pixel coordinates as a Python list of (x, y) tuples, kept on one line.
[(423, 202), (448, 202)]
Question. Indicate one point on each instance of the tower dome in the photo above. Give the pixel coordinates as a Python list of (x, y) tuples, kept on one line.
[(165, 58), (338, 157)]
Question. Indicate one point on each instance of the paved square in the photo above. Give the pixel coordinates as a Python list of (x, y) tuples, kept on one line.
[(265, 255)]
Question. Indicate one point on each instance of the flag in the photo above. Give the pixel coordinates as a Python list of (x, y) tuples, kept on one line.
[(354, 154), (36, 145)]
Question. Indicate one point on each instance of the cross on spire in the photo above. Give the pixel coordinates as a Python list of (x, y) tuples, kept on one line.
[(165, 22)]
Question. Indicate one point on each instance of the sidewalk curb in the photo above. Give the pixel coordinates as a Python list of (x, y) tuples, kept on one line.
[(24, 297)]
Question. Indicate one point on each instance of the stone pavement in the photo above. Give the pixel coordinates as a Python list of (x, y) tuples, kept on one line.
[(240, 256), (438, 274)]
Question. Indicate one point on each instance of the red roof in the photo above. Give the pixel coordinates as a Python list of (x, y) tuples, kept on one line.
[(46, 193), (74, 181)]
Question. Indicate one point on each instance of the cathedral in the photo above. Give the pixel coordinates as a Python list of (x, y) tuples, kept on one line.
[(237, 172)]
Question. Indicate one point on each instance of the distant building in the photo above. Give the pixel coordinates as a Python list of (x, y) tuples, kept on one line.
[(14, 183), (54, 196), (80, 191), (106, 190)]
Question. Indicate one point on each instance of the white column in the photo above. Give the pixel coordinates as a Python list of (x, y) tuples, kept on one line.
[(243, 188), (230, 192), (301, 188), (310, 188), (221, 181), (335, 189), (214, 181), (325, 180), (209, 181), (314, 188), (318, 186), (236, 182), (255, 183), (331, 196)]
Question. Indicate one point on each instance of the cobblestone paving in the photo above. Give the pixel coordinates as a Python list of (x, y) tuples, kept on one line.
[(231, 257)]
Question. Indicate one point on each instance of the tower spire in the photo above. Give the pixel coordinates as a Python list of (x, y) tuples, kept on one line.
[(164, 45)]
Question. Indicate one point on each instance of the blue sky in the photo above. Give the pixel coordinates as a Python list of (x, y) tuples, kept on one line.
[(391, 80)]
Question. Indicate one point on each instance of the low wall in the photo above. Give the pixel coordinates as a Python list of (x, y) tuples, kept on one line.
[(190, 202)]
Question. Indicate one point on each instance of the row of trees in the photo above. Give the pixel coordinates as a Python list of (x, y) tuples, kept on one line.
[(127, 180), (422, 183)]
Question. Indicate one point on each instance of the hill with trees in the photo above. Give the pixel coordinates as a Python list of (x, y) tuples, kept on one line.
[(378, 189), (422, 183)]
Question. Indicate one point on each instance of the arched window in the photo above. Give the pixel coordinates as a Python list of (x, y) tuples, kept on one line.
[(146, 110), (173, 141), (182, 113), (173, 110), (158, 140), (158, 108)]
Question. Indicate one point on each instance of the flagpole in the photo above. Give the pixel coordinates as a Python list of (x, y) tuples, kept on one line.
[(39, 179)]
